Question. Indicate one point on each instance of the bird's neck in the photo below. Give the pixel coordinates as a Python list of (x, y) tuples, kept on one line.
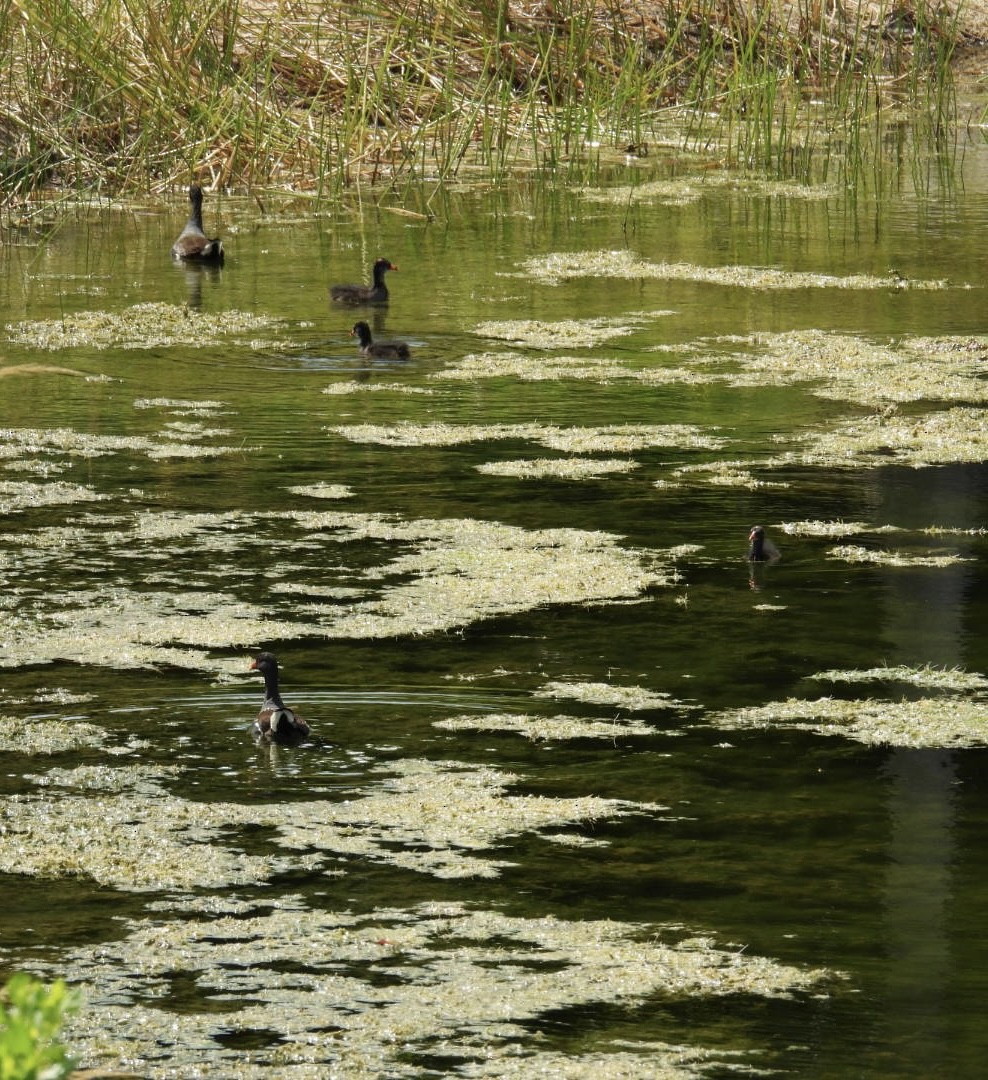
[(271, 690)]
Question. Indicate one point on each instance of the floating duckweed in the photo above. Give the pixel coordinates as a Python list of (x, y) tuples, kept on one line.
[(458, 968), (56, 695), (126, 840), (728, 474), (546, 728), (185, 430), (18, 495), (143, 326), (354, 386), (852, 554), (641, 1061), (951, 680), (848, 368), (683, 551), (469, 570), (833, 528), (143, 778), (575, 440), (929, 722), (322, 491), (430, 817), (629, 437), (169, 525), (564, 334), (181, 406), (37, 468), (558, 468), (557, 267), (623, 697), (47, 736), (462, 570), (573, 840), (688, 189), (540, 368), (937, 438), (946, 530), (79, 444)]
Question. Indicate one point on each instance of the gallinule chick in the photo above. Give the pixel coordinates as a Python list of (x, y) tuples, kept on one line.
[(379, 350), (365, 294), (760, 548), (192, 244), (275, 722)]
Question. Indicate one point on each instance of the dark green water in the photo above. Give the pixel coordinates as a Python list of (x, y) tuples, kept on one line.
[(817, 851)]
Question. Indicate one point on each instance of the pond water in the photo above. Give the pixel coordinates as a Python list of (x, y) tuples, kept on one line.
[(587, 792)]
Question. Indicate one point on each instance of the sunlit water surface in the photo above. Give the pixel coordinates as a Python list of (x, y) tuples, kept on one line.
[(856, 869)]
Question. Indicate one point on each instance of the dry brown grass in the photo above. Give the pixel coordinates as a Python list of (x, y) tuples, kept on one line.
[(308, 96)]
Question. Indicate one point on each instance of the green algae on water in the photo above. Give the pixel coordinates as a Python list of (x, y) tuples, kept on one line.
[(471, 982), (558, 468), (854, 554), (557, 267), (20, 495), (623, 438), (547, 728), (928, 677), (322, 491), (942, 722), (561, 334), (355, 386), (431, 576), (833, 528), (142, 326), (623, 697), (47, 736), (727, 474), (436, 818)]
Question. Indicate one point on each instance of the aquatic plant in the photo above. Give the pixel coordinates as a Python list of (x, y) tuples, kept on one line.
[(134, 94), (467, 982), (31, 1017)]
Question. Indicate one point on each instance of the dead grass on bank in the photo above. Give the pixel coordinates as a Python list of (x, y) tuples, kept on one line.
[(303, 96)]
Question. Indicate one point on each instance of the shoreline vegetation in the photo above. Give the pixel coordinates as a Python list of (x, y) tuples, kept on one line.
[(297, 96)]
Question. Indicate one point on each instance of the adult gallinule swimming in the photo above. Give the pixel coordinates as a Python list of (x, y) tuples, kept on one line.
[(276, 722), (193, 245), (760, 548), (365, 294)]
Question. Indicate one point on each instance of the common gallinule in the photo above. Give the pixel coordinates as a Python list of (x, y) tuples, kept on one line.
[(365, 294), (275, 722), (379, 350), (192, 244), (760, 548)]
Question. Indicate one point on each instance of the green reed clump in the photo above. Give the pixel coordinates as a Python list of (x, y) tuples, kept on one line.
[(31, 1017), (135, 94)]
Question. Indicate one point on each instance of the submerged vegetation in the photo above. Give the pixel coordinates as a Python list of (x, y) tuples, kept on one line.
[(126, 96)]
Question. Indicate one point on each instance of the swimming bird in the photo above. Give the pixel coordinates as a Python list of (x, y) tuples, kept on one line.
[(760, 548), (192, 244), (365, 294), (276, 722), (379, 350)]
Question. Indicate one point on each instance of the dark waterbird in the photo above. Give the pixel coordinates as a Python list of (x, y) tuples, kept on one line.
[(276, 722), (193, 245), (379, 350), (760, 548), (365, 294)]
